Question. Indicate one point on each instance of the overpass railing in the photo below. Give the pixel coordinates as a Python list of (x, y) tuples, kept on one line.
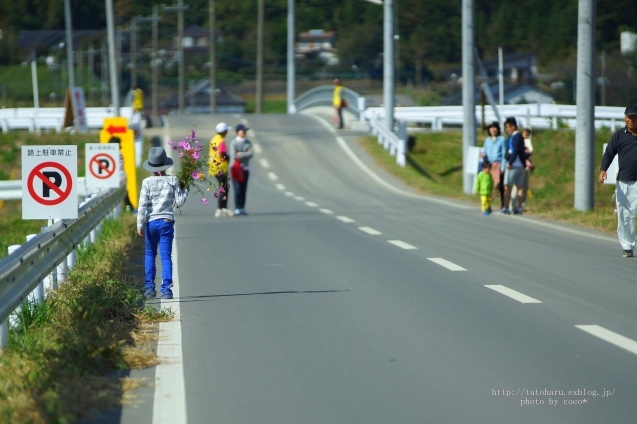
[(323, 95), (52, 118)]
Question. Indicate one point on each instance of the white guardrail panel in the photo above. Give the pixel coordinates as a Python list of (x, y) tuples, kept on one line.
[(12, 189), (52, 118), (24, 269)]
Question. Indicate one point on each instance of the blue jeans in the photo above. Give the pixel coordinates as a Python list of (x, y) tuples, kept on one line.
[(240, 190), (159, 233)]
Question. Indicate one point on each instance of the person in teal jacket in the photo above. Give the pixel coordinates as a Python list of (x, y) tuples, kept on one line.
[(484, 187)]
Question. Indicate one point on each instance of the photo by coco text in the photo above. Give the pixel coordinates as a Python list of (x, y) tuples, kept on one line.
[(572, 397)]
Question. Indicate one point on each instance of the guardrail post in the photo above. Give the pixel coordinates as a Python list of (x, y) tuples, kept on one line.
[(4, 335), (38, 293), (402, 143), (361, 109), (62, 269)]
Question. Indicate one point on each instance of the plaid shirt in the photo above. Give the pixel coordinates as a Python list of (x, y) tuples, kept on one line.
[(158, 197)]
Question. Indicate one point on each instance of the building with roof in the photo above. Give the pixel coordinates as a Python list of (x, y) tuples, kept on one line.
[(514, 94), (197, 101)]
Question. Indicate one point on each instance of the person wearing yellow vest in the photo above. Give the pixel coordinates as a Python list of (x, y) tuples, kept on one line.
[(218, 167), (138, 99), (338, 102)]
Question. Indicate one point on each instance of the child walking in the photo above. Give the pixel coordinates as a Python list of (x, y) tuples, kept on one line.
[(156, 219), (484, 187)]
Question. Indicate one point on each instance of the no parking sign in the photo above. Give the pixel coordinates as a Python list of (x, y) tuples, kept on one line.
[(102, 165), (49, 182)]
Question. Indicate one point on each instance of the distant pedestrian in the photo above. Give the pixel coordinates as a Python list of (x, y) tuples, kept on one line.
[(529, 167), (493, 151), (624, 143), (516, 160), (241, 150), (339, 102), (156, 219), (218, 168), (484, 187)]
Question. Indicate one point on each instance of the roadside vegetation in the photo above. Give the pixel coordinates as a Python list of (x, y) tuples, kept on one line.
[(438, 155)]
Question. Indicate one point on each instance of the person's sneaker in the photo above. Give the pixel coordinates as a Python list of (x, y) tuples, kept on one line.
[(517, 211), (227, 212), (486, 213), (505, 211), (490, 210), (243, 212), (627, 254), (167, 295), (150, 294), (218, 213), (237, 212)]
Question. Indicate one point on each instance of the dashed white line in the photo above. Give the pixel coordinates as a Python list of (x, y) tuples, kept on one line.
[(272, 176), (257, 147), (311, 204), (299, 198), (264, 163), (280, 186), (449, 265), (289, 193), (370, 231), (402, 244), (326, 211), (610, 337), (522, 298), (344, 219)]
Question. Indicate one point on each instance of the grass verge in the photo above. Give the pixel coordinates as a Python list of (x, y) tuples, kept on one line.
[(438, 157), (59, 354)]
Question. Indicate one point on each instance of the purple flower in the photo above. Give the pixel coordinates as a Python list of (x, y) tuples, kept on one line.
[(220, 174), (195, 175), (216, 195), (170, 142), (222, 190), (204, 200), (181, 154), (225, 198), (195, 154)]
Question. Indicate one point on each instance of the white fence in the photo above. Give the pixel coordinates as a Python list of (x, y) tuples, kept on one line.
[(538, 115), (52, 118)]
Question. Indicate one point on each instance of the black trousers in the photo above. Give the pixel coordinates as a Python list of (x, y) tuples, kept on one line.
[(222, 200)]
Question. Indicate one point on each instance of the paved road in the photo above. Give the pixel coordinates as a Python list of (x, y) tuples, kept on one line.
[(340, 299)]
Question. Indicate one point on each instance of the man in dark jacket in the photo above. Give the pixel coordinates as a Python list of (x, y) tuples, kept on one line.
[(624, 144), (516, 162)]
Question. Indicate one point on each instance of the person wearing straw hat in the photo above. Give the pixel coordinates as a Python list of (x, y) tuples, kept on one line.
[(156, 219)]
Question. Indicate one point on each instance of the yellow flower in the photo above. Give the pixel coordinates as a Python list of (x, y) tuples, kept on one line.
[(208, 189)]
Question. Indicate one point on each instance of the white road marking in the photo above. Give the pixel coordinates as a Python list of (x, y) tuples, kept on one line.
[(264, 163), (299, 198), (402, 244), (289, 193), (344, 219), (449, 265), (311, 204), (610, 337), (280, 186), (326, 211), (272, 176), (369, 230), (169, 405), (257, 147), (522, 298)]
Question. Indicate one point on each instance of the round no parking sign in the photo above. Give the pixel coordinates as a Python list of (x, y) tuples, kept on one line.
[(49, 182), (102, 165)]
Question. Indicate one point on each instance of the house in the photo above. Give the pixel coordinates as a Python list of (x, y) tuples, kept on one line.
[(317, 43), (47, 39), (517, 67), (513, 94), (197, 101), (195, 39)]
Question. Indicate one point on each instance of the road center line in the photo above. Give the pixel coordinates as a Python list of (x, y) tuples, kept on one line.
[(449, 265), (326, 211), (264, 163), (610, 337), (522, 298), (344, 219), (299, 198), (311, 204), (289, 193), (272, 176), (369, 230), (402, 244), (280, 186), (257, 147)]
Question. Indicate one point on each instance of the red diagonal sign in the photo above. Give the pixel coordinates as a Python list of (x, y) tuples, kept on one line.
[(114, 130), (108, 171), (37, 172)]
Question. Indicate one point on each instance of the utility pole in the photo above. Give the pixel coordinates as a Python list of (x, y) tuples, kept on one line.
[(154, 20), (112, 56), (133, 52), (291, 77), (179, 8), (388, 63), (603, 58), (468, 89), (585, 131), (259, 99), (501, 77), (212, 47), (69, 42), (104, 79), (91, 73)]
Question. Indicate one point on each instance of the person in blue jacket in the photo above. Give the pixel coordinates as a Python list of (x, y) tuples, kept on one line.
[(493, 151), (516, 163)]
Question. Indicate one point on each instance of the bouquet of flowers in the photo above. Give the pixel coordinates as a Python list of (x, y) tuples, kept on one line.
[(193, 163)]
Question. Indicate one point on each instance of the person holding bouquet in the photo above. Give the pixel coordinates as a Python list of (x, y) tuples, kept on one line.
[(241, 151), (156, 219), (219, 168)]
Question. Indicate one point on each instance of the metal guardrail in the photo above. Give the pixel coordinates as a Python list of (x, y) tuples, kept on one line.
[(52, 118), (323, 96), (396, 144), (12, 189), (25, 268)]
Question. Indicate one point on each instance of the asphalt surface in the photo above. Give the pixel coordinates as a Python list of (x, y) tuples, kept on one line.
[(343, 299)]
